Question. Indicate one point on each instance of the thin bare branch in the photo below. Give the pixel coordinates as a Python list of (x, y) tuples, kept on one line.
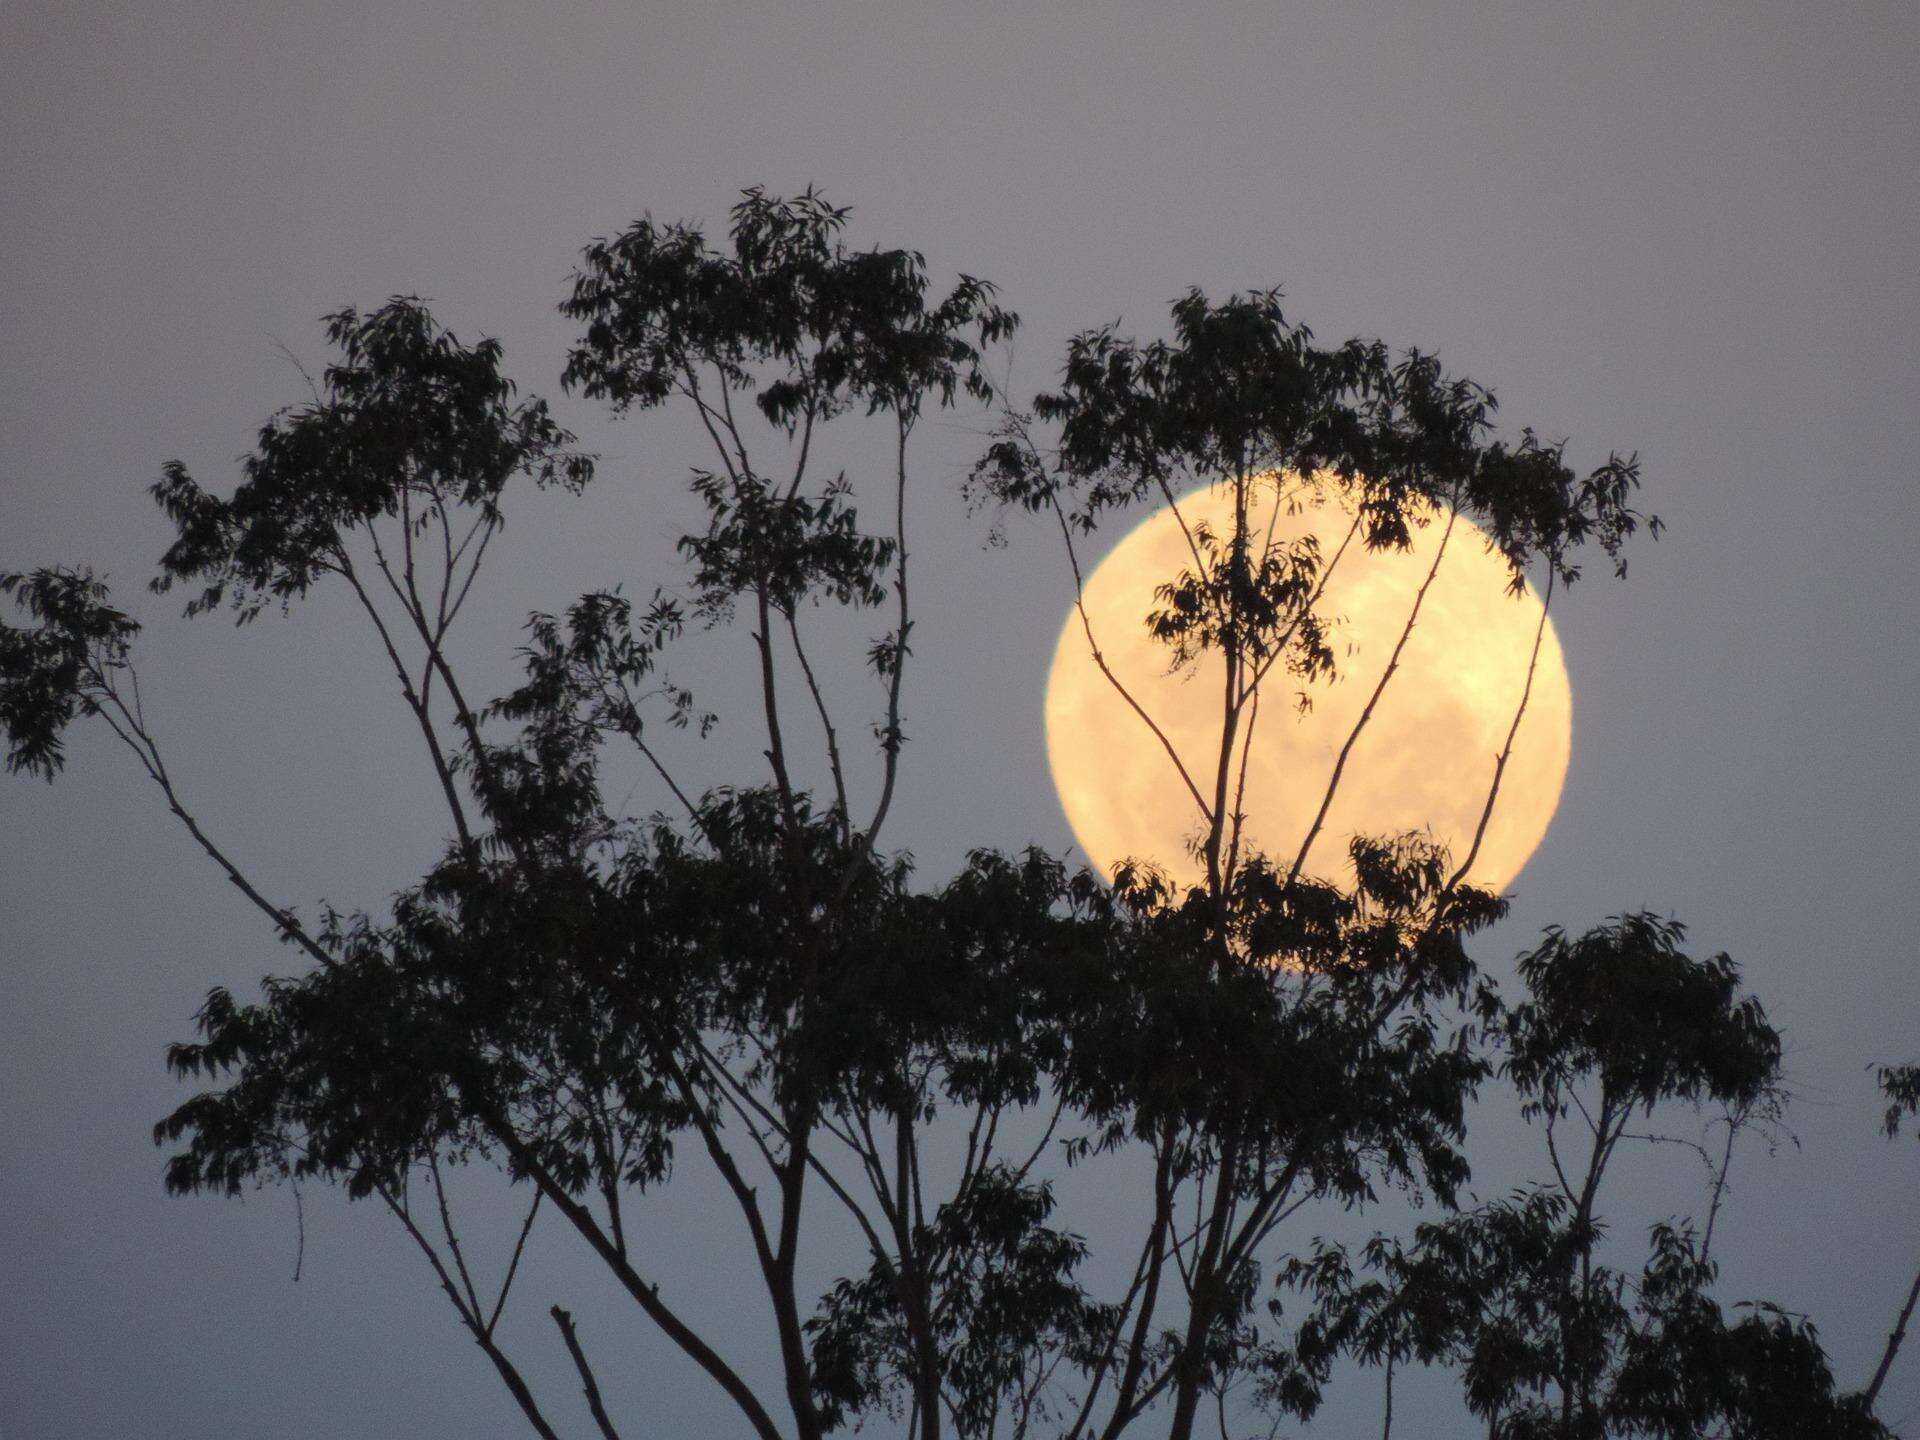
[(508, 1373), (453, 1239), (1033, 1156), (1366, 714), (644, 1293), (565, 1321), (417, 702), (1239, 812), (826, 724), (690, 387), (147, 751), (1093, 648), (513, 1262), (1506, 750), (890, 737), (1893, 1344), (631, 729), (806, 448), (487, 526)]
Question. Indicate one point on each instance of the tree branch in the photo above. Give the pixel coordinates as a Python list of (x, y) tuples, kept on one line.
[(826, 724), (646, 1295), (1093, 648), (1366, 714), (1506, 750), (147, 752), (1893, 1344), (508, 1373), (565, 1322)]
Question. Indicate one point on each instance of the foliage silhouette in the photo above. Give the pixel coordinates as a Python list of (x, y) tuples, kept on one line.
[(576, 999)]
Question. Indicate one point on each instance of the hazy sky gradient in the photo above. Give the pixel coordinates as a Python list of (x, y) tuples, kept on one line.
[(1687, 230)]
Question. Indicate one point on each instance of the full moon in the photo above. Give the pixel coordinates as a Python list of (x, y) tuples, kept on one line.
[(1424, 761)]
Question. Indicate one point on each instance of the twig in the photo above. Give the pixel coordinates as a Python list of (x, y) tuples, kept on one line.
[(826, 723), (470, 1318), (148, 753), (565, 1322), (300, 1223), (890, 736), (1393, 664), (1506, 750), (1093, 648), (513, 1265), (1893, 1343)]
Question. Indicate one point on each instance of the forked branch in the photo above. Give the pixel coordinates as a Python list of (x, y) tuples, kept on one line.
[(1100, 660), (1373, 700)]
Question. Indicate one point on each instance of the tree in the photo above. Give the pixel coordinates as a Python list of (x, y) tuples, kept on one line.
[(571, 997)]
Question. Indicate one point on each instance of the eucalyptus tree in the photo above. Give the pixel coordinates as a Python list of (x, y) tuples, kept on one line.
[(1241, 399), (1550, 1338), (1372, 1033), (570, 994), (573, 998)]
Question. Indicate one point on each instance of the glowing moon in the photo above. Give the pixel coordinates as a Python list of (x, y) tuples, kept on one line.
[(1423, 762)]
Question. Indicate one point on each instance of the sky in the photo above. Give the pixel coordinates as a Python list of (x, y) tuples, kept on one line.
[(1688, 231)]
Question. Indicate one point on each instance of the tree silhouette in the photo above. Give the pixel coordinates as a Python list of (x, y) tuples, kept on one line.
[(571, 997)]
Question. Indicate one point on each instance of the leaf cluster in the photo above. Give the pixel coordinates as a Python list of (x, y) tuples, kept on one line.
[(838, 327), (1239, 390), (58, 667), (407, 424), (1624, 1005)]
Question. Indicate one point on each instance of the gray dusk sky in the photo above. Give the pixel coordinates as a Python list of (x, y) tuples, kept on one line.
[(1686, 229)]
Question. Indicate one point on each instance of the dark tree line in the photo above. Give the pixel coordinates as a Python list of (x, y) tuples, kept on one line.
[(573, 998)]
